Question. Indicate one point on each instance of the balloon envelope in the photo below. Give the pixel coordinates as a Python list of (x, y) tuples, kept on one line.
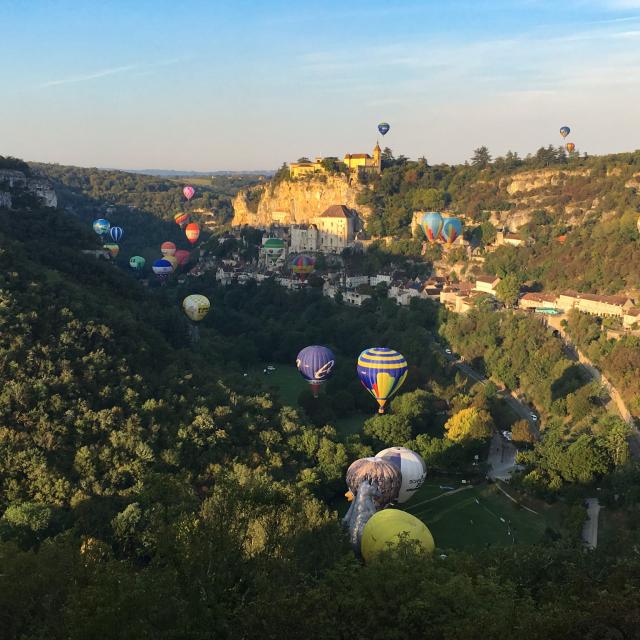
[(192, 232), (173, 260), (101, 226), (565, 131), (302, 265), (431, 225), (382, 372), (182, 256), (137, 262), (383, 128), (167, 248), (411, 466), (116, 233), (386, 528), (189, 192), (383, 473), (451, 229), (570, 147), (196, 307), (162, 268), (181, 218), (315, 364), (112, 248)]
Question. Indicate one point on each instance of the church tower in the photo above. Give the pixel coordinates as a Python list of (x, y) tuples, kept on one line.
[(377, 157)]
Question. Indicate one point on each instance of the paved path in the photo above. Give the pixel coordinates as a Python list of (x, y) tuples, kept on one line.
[(590, 530), (501, 459)]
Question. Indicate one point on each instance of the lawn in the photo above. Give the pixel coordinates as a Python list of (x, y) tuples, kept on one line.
[(474, 517)]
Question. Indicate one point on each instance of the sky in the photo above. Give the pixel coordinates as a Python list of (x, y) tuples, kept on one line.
[(239, 84)]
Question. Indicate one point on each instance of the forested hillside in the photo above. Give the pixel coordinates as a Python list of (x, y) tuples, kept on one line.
[(149, 489), (578, 214)]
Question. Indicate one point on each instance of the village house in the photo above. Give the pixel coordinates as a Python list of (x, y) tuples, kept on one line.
[(631, 319), (538, 301), (354, 298), (604, 306), (357, 163), (374, 281), (487, 284), (352, 282), (304, 237), (506, 237)]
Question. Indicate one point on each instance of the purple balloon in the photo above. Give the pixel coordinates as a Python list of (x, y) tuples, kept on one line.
[(315, 364)]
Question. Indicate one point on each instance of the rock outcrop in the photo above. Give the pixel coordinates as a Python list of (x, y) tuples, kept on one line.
[(15, 181), (295, 201), (531, 180)]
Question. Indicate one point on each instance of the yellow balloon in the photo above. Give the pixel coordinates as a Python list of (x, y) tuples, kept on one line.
[(196, 307), (384, 528), (172, 259)]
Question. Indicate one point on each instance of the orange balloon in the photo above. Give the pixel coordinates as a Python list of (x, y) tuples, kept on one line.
[(192, 232)]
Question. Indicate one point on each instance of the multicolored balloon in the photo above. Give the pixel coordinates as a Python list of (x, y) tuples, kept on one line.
[(116, 233), (570, 147), (181, 218), (172, 260), (565, 131), (303, 265), (431, 225), (189, 192), (182, 256), (196, 307), (315, 364), (382, 372), (387, 477), (167, 248), (411, 466), (101, 226), (192, 231), (386, 528), (451, 230), (137, 263), (162, 268), (383, 128), (113, 249)]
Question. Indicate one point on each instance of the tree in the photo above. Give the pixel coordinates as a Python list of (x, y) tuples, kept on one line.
[(508, 289), (481, 157), (469, 424), (522, 432)]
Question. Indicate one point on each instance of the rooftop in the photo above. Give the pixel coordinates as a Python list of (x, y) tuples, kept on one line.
[(617, 301), (540, 297), (487, 279), (337, 211)]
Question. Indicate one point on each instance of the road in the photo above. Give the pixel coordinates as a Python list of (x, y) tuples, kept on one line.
[(590, 530)]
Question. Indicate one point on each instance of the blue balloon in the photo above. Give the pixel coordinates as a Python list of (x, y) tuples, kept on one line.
[(315, 364), (383, 128), (162, 268), (101, 226), (565, 131), (116, 233), (431, 225), (382, 372), (451, 229)]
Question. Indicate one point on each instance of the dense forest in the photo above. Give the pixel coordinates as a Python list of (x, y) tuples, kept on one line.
[(150, 489)]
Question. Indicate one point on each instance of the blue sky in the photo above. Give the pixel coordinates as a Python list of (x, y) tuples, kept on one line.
[(248, 85)]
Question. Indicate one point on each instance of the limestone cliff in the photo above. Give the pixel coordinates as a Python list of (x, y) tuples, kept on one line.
[(12, 181), (295, 201)]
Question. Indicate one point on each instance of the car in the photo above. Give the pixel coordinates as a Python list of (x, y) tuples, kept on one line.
[(534, 417), (507, 435), (270, 368), (448, 351)]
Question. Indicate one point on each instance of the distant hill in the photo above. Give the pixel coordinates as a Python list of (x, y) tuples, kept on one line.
[(175, 173)]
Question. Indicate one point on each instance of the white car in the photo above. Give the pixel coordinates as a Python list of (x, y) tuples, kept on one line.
[(271, 368), (507, 435), (534, 417), (448, 351)]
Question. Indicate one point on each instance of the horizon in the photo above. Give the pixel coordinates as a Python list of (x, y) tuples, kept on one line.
[(244, 87)]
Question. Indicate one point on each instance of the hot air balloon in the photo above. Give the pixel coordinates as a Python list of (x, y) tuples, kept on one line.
[(565, 131), (302, 265), (451, 229), (167, 248), (196, 307), (189, 192), (383, 128), (173, 261), (431, 225), (315, 364), (383, 473), (137, 262), (570, 147), (113, 249), (182, 256), (116, 233), (181, 218), (386, 528), (101, 226), (162, 268), (382, 372), (411, 466), (192, 231)]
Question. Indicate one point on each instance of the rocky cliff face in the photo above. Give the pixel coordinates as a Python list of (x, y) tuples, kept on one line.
[(13, 181), (296, 201)]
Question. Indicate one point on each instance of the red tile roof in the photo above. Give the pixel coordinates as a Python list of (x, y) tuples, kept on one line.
[(337, 211)]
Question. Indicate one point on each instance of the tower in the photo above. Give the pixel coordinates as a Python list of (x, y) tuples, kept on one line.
[(377, 156)]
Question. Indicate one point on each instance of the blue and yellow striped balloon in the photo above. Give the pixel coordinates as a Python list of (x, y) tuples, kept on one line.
[(382, 372)]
